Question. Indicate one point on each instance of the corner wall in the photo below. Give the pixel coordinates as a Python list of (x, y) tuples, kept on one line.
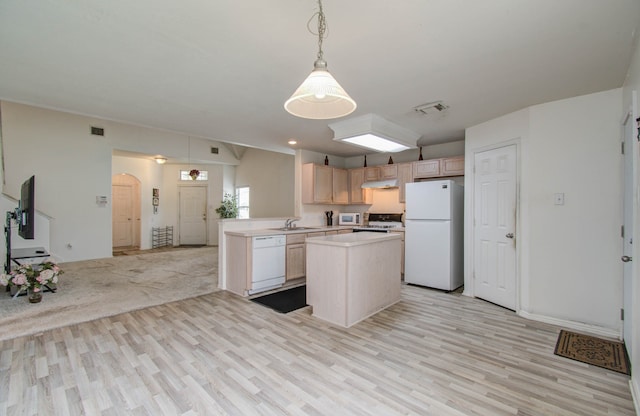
[(569, 271)]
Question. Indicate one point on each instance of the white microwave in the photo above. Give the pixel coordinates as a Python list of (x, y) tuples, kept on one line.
[(349, 218)]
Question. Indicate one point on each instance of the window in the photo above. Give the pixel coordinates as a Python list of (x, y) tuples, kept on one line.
[(203, 176), (242, 196)]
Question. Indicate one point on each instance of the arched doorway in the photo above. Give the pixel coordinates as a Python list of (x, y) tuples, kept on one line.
[(125, 220)]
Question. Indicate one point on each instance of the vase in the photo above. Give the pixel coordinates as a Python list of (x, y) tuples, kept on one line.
[(34, 297)]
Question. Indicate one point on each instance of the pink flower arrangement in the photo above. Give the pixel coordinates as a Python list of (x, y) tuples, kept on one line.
[(35, 276)]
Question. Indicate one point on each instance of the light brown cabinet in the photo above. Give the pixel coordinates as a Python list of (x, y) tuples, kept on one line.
[(452, 166), (388, 171), (371, 173), (401, 250), (434, 168), (340, 186), (426, 169), (405, 175), (323, 184), (297, 254), (357, 195)]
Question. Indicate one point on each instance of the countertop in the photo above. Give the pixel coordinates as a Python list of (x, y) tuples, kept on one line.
[(295, 230), (352, 239)]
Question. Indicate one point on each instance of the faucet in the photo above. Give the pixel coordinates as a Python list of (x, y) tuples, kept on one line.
[(289, 222)]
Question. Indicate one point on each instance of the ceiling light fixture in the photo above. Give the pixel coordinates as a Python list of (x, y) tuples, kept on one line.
[(373, 132), (160, 160), (320, 97)]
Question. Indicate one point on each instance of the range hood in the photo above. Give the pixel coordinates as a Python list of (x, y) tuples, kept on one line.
[(386, 184)]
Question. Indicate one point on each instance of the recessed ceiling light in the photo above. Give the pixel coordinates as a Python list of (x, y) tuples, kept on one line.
[(292, 142), (160, 160)]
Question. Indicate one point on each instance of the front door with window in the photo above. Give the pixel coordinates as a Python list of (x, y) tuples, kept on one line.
[(193, 215)]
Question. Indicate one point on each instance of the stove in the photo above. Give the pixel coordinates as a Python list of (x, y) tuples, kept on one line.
[(381, 223)]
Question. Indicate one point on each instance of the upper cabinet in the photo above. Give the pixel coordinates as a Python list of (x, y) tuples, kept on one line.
[(405, 175), (371, 174), (426, 168), (433, 168), (388, 171), (323, 184), (357, 195), (452, 166), (340, 186)]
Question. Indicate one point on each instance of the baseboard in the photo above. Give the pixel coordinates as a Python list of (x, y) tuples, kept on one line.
[(577, 326), (635, 394)]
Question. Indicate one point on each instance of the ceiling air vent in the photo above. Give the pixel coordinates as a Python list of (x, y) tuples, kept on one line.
[(214, 150), (431, 108)]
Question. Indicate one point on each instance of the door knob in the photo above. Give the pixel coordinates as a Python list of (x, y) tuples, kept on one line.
[(626, 259), (509, 235)]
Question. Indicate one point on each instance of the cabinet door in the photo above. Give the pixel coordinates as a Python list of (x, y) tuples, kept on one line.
[(371, 174), (452, 166), (405, 176), (317, 184), (388, 172), (296, 261), (340, 186), (356, 179), (426, 168)]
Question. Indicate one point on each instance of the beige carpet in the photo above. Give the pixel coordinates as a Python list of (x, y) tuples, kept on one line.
[(94, 289)]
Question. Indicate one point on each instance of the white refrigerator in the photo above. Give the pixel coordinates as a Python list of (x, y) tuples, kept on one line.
[(434, 229)]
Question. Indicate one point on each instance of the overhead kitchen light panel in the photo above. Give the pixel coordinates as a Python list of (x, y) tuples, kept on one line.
[(373, 132)]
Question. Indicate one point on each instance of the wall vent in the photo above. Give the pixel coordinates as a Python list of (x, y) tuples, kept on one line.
[(214, 150), (430, 108), (97, 131)]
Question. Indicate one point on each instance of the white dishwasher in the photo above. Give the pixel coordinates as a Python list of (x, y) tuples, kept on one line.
[(268, 264)]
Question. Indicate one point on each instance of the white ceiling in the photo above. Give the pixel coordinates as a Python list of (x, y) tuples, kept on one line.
[(223, 68)]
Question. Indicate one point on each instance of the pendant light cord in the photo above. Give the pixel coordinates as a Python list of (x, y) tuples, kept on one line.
[(322, 29)]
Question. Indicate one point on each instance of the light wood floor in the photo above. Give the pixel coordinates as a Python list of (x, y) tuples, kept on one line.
[(430, 354)]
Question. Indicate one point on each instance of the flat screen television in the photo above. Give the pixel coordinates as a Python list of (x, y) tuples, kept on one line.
[(26, 209)]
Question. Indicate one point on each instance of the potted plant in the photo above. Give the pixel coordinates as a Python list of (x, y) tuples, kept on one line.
[(31, 278), (194, 173), (229, 206)]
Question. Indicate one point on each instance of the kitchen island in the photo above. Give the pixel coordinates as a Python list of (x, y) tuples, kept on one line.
[(352, 276)]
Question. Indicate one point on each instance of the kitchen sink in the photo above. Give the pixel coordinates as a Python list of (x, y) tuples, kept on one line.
[(293, 228)]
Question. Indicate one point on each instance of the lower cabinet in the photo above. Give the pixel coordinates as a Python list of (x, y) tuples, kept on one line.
[(297, 252), (296, 256), (401, 251)]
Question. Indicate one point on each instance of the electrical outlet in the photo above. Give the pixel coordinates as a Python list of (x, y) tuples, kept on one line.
[(558, 199)]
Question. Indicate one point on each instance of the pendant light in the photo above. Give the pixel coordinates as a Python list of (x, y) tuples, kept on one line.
[(320, 97)]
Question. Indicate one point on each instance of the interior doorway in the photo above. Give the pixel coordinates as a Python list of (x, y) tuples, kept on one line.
[(126, 211), (494, 229)]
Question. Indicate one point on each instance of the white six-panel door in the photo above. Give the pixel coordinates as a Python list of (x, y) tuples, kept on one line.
[(495, 226)]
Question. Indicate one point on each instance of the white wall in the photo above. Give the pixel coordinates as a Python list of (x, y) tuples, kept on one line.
[(569, 268), (72, 167), (270, 178)]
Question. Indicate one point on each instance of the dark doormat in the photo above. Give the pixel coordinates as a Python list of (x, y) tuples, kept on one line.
[(595, 351), (286, 300)]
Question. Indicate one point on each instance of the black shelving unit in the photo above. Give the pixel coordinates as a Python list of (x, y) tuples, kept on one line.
[(162, 236)]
